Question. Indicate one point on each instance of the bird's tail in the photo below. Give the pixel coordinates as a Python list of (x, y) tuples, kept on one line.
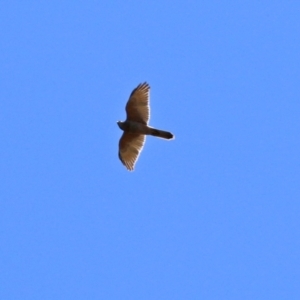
[(161, 133)]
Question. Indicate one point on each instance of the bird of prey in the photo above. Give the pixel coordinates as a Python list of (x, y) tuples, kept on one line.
[(136, 127)]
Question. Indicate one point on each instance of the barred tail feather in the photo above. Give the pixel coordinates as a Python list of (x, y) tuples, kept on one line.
[(161, 134)]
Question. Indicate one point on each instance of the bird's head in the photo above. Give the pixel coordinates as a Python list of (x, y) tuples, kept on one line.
[(120, 124)]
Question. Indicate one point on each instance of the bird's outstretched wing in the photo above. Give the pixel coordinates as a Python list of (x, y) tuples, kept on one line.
[(137, 107), (130, 147)]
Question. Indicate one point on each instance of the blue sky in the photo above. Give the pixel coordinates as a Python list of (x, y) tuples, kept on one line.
[(213, 214)]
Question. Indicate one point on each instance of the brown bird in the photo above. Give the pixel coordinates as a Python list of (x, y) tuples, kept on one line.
[(136, 126)]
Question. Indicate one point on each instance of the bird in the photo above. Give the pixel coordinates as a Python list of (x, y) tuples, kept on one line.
[(136, 127)]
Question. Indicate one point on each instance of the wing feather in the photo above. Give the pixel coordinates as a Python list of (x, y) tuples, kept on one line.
[(130, 147), (137, 107)]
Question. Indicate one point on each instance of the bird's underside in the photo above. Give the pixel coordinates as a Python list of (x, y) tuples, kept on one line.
[(136, 127)]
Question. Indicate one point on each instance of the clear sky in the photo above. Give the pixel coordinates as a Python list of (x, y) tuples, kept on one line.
[(213, 214)]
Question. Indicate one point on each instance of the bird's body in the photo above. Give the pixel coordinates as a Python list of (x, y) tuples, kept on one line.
[(136, 127), (133, 127)]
